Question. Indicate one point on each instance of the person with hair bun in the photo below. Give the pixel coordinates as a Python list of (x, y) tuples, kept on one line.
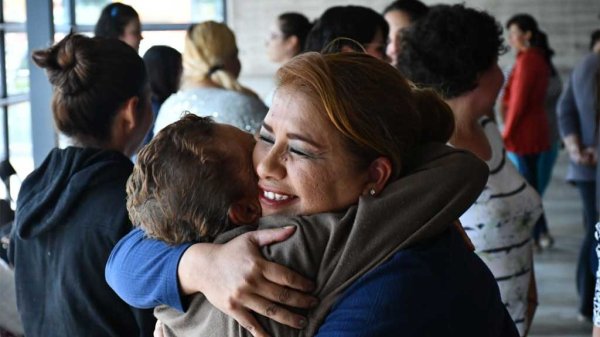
[(287, 37), (209, 82), (120, 21), (71, 210), (526, 131), (444, 52), (336, 145)]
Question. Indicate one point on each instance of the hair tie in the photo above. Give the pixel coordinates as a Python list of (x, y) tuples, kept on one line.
[(214, 69), (114, 11)]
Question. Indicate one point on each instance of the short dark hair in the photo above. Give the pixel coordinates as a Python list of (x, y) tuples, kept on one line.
[(415, 9), (594, 38), (449, 48), (164, 68), (354, 22), (182, 185), (113, 19), (91, 79), (295, 24)]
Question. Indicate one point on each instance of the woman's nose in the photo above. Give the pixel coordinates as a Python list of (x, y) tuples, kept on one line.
[(272, 165)]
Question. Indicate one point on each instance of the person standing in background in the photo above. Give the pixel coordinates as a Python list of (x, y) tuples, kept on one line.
[(286, 40), (358, 23), (71, 210), (578, 122), (209, 84), (399, 15), (120, 21), (164, 68), (444, 52), (287, 37), (526, 130)]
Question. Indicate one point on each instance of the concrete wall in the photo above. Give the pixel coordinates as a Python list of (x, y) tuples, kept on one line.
[(568, 24)]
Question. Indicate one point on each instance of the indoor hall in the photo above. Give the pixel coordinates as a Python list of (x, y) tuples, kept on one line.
[(28, 132)]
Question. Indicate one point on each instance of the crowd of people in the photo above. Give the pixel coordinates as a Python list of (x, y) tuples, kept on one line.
[(374, 191)]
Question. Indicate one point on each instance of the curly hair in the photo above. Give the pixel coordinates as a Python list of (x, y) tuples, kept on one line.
[(449, 48)]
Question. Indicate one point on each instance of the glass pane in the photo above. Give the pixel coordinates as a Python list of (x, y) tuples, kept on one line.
[(60, 10), (88, 11), (172, 38), (14, 10), (20, 143), (17, 72), (187, 10)]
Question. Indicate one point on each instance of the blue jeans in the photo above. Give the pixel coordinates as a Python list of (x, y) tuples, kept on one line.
[(588, 260), (528, 166)]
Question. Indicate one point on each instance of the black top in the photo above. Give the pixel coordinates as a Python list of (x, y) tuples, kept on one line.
[(70, 213)]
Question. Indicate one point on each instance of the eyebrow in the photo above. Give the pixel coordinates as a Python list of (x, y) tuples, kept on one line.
[(293, 136)]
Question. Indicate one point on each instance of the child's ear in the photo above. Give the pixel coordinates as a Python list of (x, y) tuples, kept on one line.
[(245, 211)]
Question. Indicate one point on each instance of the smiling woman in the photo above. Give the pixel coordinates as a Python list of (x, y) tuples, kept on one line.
[(336, 142)]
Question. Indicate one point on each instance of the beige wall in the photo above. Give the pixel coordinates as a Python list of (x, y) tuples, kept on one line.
[(568, 24)]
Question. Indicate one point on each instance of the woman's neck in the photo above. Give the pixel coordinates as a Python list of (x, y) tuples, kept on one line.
[(468, 133)]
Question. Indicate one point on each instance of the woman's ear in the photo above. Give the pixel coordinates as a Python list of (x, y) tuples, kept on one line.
[(380, 171), (123, 127), (245, 211), (293, 44), (129, 114)]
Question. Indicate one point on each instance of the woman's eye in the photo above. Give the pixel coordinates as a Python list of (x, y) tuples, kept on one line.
[(266, 139), (299, 152)]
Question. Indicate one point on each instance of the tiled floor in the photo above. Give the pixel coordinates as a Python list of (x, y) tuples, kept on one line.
[(555, 268)]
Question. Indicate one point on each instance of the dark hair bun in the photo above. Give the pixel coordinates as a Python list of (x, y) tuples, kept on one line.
[(68, 65)]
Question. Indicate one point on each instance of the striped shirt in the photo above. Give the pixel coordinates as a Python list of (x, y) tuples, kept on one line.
[(500, 224)]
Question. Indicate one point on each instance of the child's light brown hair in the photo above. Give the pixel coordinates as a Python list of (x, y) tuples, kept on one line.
[(182, 186)]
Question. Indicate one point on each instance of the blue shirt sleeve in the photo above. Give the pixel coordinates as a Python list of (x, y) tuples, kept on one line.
[(143, 271)]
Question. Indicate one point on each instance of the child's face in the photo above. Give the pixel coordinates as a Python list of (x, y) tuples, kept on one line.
[(238, 145)]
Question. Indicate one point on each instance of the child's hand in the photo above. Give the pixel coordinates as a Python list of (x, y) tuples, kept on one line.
[(235, 278)]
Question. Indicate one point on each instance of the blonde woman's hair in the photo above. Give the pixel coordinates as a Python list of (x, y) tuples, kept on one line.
[(208, 46)]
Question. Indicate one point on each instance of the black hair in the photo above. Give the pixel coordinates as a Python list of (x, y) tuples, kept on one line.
[(415, 9), (539, 39), (354, 22), (594, 38), (164, 67), (113, 19), (443, 50), (91, 79), (295, 24)]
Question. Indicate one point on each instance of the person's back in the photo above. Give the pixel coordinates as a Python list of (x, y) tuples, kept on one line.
[(224, 106), (438, 288), (70, 214), (71, 210), (209, 81)]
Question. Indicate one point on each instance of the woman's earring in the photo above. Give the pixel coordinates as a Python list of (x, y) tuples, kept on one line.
[(372, 192)]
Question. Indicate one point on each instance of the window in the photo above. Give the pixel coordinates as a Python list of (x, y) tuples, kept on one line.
[(160, 23)]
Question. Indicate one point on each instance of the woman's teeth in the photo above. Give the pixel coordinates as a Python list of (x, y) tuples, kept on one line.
[(275, 196)]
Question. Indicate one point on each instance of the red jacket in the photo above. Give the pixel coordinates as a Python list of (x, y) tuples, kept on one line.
[(526, 125)]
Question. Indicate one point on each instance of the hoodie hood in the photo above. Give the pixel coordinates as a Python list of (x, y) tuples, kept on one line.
[(50, 192)]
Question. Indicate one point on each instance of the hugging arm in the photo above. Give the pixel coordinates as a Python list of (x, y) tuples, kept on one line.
[(234, 277)]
